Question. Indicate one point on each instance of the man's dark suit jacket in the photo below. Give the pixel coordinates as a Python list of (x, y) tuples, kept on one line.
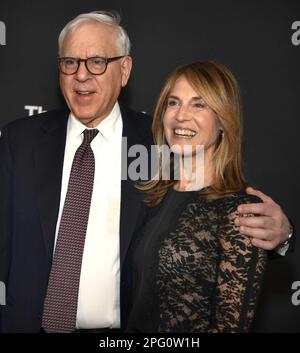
[(31, 164)]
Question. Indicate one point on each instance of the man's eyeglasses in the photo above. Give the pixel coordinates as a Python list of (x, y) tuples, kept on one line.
[(95, 65)]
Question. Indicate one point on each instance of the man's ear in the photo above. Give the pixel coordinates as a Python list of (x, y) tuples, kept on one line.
[(126, 65)]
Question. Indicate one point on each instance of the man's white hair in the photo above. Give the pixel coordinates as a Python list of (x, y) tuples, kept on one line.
[(109, 18)]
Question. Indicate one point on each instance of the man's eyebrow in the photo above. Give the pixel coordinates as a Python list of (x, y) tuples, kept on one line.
[(90, 56)]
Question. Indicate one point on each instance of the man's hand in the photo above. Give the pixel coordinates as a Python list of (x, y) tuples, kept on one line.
[(268, 230)]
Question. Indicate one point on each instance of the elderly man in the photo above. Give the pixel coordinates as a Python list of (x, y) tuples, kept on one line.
[(66, 217)]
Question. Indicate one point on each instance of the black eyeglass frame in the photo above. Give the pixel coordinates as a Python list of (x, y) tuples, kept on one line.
[(78, 60)]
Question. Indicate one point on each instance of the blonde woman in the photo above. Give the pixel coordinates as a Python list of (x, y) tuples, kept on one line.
[(193, 271)]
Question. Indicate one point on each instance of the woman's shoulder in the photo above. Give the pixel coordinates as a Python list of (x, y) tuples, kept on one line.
[(238, 198), (227, 204), (229, 207), (230, 199)]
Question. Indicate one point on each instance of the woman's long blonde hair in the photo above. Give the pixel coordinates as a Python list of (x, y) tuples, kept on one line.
[(219, 89)]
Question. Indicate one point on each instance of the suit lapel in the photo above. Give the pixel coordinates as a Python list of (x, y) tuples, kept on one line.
[(49, 156), (131, 199)]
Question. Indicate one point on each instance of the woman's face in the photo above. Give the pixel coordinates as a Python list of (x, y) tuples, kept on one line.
[(188, 120)]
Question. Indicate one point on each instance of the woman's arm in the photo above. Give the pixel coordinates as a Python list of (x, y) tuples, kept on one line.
[(271, 228), (240, 271)]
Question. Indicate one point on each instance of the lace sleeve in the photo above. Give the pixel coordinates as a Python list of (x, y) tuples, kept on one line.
[(240, 272)]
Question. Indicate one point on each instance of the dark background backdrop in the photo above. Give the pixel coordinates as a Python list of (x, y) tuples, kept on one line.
[(253, 38)]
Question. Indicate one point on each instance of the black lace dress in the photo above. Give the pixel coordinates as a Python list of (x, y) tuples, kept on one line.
[(192, 269)]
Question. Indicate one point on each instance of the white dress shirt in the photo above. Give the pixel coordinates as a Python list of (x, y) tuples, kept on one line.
[(99, 299)]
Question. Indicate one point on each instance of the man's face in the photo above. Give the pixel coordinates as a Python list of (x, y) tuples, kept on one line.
[(92, 97)]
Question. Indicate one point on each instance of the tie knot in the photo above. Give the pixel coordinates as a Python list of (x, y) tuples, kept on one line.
[(89, 135)]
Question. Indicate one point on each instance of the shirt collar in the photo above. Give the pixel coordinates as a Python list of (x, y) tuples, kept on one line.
[(107, 127)]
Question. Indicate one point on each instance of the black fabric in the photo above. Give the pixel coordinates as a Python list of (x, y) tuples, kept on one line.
[(192, 270), (31, 155)]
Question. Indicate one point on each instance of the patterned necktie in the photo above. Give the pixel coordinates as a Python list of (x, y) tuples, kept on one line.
[(60, 306)]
